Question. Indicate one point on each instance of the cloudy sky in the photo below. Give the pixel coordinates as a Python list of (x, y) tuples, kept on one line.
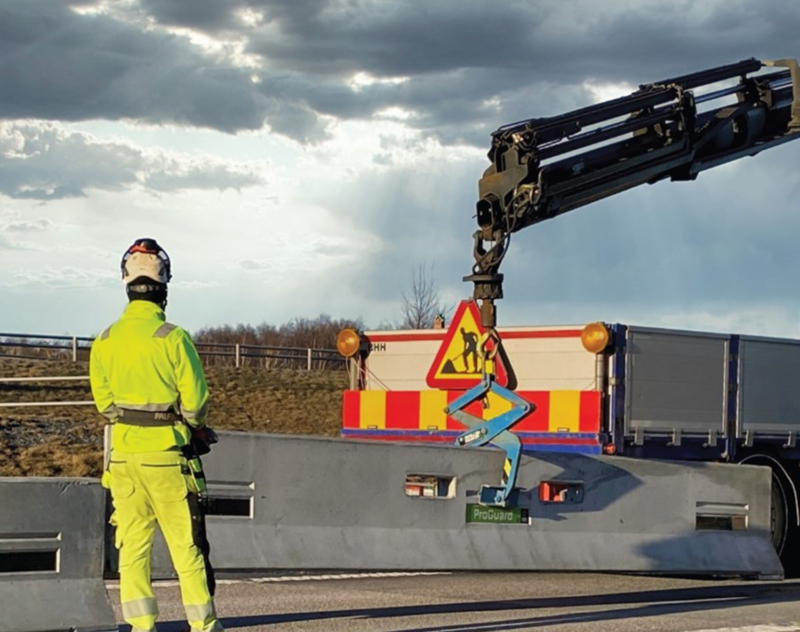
[(298, 157)]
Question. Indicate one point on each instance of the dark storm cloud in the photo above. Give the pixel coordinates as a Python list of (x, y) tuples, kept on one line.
[(42, 161), (211, 16), (531, 57), (456, 53), (58, 65), (214, 16), (390, 39)]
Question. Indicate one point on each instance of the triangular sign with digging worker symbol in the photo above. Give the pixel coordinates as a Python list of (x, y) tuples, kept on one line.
[(458, 363)]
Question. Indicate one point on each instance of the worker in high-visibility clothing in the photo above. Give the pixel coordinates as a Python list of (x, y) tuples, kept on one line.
[(148, 381)]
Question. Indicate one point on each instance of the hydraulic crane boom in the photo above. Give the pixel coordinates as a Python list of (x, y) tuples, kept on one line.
[(545, 167), (542, 168)]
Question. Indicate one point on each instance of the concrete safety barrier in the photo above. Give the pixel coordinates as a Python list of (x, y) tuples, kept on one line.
[(51, 555), (281, 502)]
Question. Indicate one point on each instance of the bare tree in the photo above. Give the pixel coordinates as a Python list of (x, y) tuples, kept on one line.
[(422, 301)]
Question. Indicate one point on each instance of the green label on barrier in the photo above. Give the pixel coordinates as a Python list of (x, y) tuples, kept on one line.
[(496, 515)]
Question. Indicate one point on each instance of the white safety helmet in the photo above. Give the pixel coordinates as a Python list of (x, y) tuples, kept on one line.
[(145, 258)]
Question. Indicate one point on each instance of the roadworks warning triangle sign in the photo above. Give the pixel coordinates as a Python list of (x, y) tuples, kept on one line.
[(458, 363)]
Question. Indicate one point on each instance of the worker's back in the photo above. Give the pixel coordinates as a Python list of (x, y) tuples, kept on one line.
[(142, 363)]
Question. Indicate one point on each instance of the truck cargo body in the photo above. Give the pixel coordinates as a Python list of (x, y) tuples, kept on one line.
[(548, 366), (654, 393), (651, 394)]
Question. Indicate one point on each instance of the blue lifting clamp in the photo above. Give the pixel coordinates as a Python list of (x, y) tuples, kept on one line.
[(496, 431)]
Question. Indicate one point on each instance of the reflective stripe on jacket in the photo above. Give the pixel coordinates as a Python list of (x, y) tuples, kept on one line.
[(144, 363)]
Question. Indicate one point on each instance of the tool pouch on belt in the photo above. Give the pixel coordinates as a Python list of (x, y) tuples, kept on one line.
[(201, 441), (195, 467), (192, 455), (200, 444)]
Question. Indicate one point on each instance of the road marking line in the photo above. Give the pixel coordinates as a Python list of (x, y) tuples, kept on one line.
[(309, 578), (755, 628), (306, 578)]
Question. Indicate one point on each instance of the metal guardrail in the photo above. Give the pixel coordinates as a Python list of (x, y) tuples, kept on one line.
[(301, 356), (64, 378), (45, 343), (241, 352), (49, 347)]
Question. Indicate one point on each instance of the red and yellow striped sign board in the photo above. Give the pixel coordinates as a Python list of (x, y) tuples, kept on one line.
[(555, 412)]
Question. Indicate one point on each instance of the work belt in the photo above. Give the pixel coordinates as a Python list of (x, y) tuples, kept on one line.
[(148, 418)]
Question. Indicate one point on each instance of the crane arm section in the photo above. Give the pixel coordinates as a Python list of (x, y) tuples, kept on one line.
[(544, 167)]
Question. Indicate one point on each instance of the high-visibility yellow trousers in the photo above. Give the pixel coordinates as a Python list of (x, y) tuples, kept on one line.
[(150, 487)]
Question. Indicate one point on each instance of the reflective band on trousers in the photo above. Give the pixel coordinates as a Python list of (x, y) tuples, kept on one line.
[(139, 608), (199, 612)]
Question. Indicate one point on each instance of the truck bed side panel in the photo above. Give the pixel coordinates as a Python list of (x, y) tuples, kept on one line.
[(675, 381), (769, 387)]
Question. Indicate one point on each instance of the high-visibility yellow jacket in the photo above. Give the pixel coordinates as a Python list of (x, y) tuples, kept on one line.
[(144, 363)]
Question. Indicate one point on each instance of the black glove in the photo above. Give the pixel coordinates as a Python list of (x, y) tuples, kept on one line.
[(202, 440)]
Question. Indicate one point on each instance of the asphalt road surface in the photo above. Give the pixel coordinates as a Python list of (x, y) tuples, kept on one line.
[(490, 602)]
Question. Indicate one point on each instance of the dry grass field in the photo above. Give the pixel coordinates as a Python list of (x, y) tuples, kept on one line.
[(68, 440)]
